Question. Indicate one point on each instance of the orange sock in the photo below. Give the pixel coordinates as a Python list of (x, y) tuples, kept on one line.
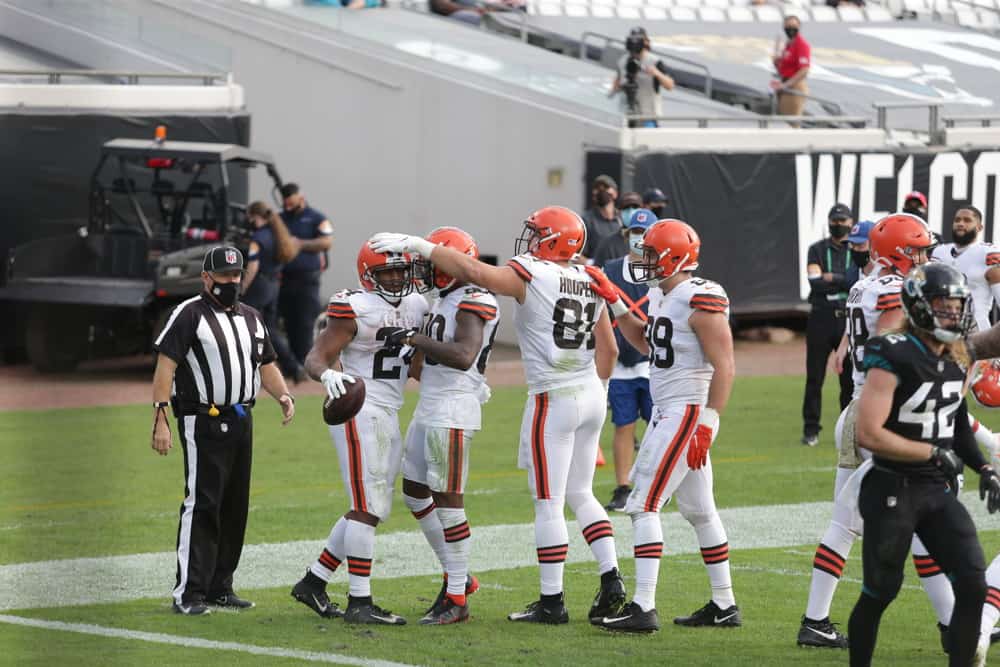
[(458, 600)]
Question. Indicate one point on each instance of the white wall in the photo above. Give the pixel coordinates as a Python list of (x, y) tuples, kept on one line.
[(380, 141)]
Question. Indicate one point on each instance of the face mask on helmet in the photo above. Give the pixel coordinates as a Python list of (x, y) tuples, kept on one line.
[(635, 237), (647, 270), (394, 279), (937, 301)]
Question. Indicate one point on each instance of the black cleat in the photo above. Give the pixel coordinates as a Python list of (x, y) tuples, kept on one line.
[(610, 598), (230, 601), (446, 613), (810, 440), (631, 618), (943, 629), (316, 599), (193, 608), (711, 616), (363, 610), (823, 634), (995, 636), (540, 612), (618, 498), (471, 586)]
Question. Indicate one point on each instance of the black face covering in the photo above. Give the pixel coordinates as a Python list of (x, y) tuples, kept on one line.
[(918, 211), (860, 257), (226, 294), (965, 238), (839, 231), (791, 32), (603, 198)]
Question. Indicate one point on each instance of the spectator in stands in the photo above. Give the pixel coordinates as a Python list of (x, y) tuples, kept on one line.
[(628, 389), (915, 203), (349, 4), (639, 78), (828, 265), (271, 247), (601, 219), (471, 11), (616, 245), (792, 65), (654, 200), (298, 300)]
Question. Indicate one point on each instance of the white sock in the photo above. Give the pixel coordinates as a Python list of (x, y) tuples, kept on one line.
[(648, 549), (935, 583), (985, 438), (359, 542), (715, 554), (991, 609), (828, 568), (333, 554), (426, 513), (552, 543), (593, 521), (458, 543)]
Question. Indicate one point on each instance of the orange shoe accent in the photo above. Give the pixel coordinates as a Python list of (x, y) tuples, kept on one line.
[(458, 600), (600, 457)]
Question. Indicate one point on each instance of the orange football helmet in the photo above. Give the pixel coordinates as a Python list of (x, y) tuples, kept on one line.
[(668, 246), (553, 233), (374, 272), (426, 275), (986, 384), (897, 241)]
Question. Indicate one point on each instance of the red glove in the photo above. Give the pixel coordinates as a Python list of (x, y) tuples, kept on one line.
[(601, 284), (708, 425)]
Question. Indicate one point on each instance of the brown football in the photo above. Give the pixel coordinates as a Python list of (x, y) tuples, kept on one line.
[(344, 408)]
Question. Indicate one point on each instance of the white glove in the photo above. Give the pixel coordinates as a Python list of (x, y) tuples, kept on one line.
[(334, 382), (484, 393), (390, 242)]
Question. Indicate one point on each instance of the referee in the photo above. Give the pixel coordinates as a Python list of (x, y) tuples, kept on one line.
[(216, 354)]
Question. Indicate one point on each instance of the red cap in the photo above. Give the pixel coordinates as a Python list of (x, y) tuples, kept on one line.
[(919, 196)]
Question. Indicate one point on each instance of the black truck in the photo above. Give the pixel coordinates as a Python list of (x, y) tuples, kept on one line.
[(155, 206)]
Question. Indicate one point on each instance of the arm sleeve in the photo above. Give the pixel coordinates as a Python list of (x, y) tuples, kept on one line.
[(178, 333), (340, 306), (964, 443), (877, 357), (267, 354), (479, 302), (712, 302)]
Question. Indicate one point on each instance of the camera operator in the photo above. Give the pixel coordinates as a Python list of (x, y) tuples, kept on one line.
[(640, 77)]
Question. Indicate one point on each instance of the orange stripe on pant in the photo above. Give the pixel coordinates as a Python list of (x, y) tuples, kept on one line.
[(538, 446), (671, 457), (455, 461), (354, 462)]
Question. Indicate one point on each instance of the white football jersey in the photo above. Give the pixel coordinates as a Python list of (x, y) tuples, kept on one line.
[(450, 397), (868, 299), (678, 369), (555, 324), (974, 260), (384, 373)]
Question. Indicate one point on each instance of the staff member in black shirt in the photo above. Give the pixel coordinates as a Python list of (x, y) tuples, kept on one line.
[(827, 266), (299, 301), (914, 420), (216, 354)]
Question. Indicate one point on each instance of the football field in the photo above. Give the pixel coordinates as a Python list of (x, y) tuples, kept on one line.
[(88, 518)]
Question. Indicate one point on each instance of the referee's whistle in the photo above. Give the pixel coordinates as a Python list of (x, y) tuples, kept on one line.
[(213, 411)]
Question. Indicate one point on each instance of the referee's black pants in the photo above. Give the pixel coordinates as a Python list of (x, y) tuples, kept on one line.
[(213, 516), (824, 330), (894, 508)]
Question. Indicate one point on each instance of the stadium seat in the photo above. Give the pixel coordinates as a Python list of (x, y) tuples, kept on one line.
[(850, 13), (767, 14), (629, 13), (659, 3), (966, 18), (712, 14), (547, 9), (576, 11), (876, 13), (823, 14), (742, 14), (602, 12), (693, 4), (683, 14), (655, 13)]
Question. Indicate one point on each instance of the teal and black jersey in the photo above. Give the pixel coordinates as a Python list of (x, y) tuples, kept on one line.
[(927, 398)]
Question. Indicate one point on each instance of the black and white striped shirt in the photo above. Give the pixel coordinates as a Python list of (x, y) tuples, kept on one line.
[(218, 353)]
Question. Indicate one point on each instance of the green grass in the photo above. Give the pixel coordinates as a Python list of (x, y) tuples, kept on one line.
[(84, 482)]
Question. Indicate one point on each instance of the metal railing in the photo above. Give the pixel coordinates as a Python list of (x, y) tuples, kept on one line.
[(130, 78), (933, 113), (762, 122), (984, 121), (608, 40)]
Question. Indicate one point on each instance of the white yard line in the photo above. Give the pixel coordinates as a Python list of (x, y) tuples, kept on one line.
[(195, 642), (79, 581)]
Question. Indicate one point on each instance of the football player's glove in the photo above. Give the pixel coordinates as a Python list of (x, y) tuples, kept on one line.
[(602, 286), (334, 381), (704, 433), (388, 242), (396, 340), (989, 488)]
